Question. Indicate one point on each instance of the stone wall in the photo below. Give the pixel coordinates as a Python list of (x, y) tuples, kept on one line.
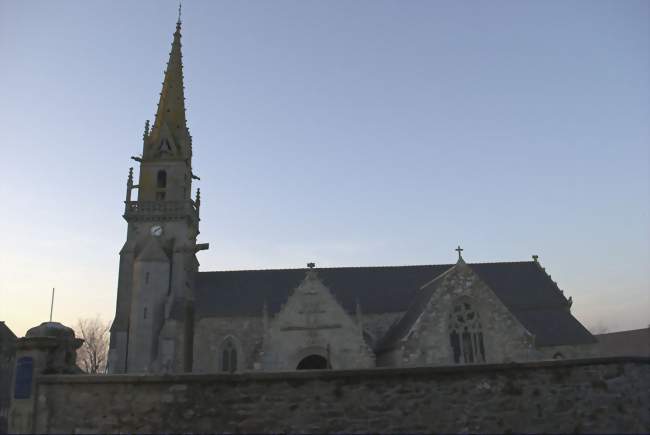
[(596, 395), (7, 362), (249, 334), (313, 323), (209, 336)]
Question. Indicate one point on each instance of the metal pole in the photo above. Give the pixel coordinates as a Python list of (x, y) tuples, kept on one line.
[(52, 304)]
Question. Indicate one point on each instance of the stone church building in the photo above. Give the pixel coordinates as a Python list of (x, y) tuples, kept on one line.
[(171, 317)]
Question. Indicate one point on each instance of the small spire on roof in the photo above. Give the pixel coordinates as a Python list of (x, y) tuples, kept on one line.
[(129, 186), (180, 4)]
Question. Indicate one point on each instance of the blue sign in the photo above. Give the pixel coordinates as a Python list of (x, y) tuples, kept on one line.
[(24, 375)]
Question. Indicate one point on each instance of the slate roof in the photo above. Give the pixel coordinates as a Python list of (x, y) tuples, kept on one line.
[(403, 325), (524, 287), (635, 342)]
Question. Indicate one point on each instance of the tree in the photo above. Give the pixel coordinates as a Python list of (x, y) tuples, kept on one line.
[(92, 356)]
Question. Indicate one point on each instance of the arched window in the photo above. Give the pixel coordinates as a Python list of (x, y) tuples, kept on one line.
[(161, 181), (312, 362), (466, 334), (228, 356)]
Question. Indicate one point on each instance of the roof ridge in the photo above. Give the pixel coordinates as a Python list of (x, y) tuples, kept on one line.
[(623, 331), (361, 267)]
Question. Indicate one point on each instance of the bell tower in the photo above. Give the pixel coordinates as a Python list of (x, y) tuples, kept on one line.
[(153, 326)]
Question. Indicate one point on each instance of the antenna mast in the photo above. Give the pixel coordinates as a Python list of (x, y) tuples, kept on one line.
[(52, 305)]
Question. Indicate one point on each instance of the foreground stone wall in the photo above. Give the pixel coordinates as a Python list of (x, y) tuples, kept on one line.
[(7, 362), (596, 395)]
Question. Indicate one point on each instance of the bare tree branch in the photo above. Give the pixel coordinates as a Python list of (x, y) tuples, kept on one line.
[(93, 354)]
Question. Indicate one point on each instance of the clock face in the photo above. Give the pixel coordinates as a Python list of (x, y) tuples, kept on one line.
[(156, 231)]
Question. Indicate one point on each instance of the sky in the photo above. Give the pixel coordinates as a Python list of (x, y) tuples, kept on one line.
[(345, 133)]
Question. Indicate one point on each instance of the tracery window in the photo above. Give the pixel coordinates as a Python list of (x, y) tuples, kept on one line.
[(228, 356), (466, 334)]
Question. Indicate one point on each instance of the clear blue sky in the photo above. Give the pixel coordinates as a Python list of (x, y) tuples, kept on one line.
[(345, 133)]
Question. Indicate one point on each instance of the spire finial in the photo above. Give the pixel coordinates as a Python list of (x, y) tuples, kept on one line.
[(180, 4), (459, 250)]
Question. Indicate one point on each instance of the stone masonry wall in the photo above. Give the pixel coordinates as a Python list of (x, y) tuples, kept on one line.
[(313, 322), (209, 336), (7, 362), (597, 395), (248, 335)]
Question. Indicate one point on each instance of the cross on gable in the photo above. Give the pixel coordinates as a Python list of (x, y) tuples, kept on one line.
[(459, 250)]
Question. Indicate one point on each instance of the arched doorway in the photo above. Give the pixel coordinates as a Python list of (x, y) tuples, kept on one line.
[(312, 362)]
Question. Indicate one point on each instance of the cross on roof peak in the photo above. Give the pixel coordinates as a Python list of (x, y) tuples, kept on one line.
[(459, 250), (311, 265)]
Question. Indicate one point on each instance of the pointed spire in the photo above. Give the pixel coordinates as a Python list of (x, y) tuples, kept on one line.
[(170, 116), (145, 135), (129, 186)]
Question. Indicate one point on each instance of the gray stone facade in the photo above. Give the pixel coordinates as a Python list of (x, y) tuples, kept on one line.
[(171, 317), (428, 340), (312, 322)]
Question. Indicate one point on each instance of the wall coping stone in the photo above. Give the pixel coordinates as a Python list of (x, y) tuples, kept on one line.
[(316, 375)]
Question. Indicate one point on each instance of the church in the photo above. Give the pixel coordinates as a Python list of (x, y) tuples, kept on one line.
[(171, 318)]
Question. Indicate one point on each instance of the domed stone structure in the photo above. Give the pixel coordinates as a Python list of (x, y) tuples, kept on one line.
[(59, 344), (51, 329)]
